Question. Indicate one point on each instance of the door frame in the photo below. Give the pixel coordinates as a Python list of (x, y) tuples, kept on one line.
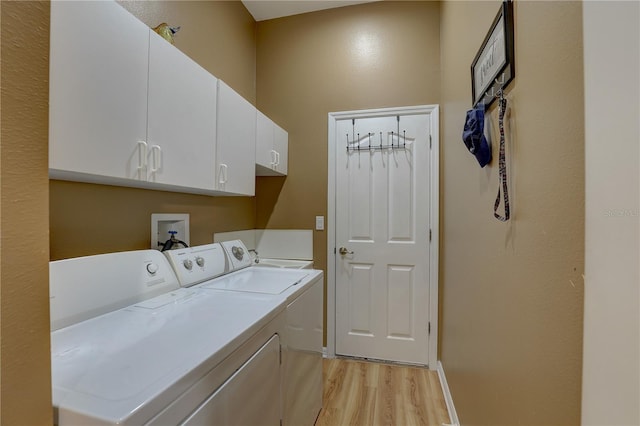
[(434, 209)]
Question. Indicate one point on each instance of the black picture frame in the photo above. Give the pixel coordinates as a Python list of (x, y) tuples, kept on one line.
[(493, 67)]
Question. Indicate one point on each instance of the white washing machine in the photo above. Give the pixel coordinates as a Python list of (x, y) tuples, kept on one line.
[(130, 346)]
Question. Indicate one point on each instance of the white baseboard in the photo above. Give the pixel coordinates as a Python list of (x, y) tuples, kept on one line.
[(453, 416)]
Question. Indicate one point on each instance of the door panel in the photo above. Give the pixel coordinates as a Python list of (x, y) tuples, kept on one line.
[(360, 199), (400, 293), (382, 220), (360, 299), (401, 196)]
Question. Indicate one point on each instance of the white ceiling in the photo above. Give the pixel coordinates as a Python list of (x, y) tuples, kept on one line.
[(262, 10)]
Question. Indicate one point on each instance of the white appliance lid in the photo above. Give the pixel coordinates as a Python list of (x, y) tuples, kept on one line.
[(258, 280), (122, 367)]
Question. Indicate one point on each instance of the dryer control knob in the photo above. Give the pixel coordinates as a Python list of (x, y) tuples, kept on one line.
[(187, 264), (200, 261), (152, 268)]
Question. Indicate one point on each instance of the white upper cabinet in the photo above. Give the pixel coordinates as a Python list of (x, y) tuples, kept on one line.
[(182, 119), (128, 108), (281, 146), (235, 153), (98, 90), (265, 153), (271, 147)]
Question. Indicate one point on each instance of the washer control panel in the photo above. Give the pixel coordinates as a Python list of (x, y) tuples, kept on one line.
[(194, 265), (237, 254)]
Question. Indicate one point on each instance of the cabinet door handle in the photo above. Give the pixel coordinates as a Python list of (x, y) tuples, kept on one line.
[(274, 159), (142, 160), (222, 177), (156, 158), (277, 158)]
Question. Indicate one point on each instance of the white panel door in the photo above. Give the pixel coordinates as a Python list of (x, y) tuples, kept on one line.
[(236, 142), (98, 89), (182, 118), (382, 227)]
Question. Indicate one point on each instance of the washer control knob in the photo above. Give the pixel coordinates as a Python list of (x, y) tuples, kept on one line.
[(152, 268), (188, 264), (200, 261), (237, 252)]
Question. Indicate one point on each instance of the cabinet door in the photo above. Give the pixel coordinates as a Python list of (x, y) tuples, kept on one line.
[(271, 148), (265, 153), (98, 90), (236, 142), (182, 118), (281, 146)]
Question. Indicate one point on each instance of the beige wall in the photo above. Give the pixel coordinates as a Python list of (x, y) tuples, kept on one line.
[(611, 365), (218, 35), (312, 64), (89, 219), (513, 292), (25, 388)]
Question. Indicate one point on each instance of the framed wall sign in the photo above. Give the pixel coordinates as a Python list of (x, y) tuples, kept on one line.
[(493, 67)]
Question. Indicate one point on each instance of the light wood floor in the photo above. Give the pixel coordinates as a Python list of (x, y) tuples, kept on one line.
[(361, 393)]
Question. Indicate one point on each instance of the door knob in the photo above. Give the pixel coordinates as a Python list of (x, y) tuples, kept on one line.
[(343, 251)]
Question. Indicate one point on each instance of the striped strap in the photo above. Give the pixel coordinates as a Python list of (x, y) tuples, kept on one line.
[(502, 104)]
